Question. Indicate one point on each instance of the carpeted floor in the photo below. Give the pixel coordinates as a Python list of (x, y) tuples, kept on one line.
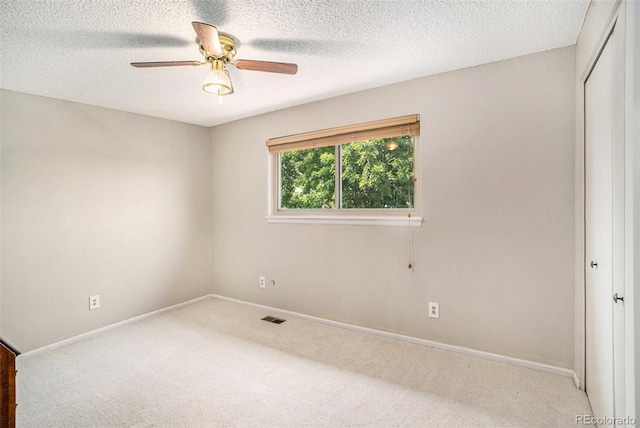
[(216, 364)]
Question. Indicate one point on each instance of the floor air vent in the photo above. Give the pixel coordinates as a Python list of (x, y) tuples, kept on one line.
[(273, 320)]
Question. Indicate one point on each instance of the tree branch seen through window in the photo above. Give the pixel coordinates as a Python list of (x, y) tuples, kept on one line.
[(373, 174)]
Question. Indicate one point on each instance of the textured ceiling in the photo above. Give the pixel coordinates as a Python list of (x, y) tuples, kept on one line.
[(80, 50)]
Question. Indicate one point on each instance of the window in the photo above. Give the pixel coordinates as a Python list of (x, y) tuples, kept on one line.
[(361, 171)]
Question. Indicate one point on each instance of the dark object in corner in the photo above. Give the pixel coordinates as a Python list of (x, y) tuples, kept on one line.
[(8, 404)]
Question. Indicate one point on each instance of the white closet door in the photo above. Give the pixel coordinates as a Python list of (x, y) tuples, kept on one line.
[(599, 235)]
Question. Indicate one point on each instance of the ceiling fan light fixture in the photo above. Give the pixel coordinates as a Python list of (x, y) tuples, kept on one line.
[(217, 81)]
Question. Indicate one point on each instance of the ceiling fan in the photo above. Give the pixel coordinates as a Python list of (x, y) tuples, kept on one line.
[(218, 50)]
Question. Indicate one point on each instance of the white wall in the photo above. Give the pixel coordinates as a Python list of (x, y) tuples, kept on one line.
[(497, 195), (97, 201), (0, 220)]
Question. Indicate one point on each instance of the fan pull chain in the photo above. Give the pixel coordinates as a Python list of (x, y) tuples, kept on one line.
[(410, 244)]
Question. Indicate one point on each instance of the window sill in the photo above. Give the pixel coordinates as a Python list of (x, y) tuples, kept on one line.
[(349, 220)]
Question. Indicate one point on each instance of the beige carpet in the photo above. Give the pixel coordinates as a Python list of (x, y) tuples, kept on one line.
[(216, 364)]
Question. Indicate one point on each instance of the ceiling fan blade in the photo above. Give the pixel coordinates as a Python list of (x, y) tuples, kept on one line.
[(271, 67), (208, 36), (166, 63)]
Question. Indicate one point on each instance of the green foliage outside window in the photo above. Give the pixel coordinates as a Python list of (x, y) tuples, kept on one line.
[(372, 176), (308, 178)]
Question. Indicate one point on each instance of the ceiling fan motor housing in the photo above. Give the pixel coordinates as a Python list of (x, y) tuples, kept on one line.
[(228, 45)]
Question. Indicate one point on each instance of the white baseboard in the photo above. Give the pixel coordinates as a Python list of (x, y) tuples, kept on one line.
[(106, 328), (438, 345), (576, 380)]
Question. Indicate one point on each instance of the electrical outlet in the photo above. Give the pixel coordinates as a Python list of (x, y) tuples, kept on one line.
[(262, 281), (94, 302), (434, 310)]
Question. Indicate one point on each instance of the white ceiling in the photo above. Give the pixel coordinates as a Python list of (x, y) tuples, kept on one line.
[(80, 50)]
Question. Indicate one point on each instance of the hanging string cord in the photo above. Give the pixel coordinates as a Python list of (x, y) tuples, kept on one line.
[(410, 244)]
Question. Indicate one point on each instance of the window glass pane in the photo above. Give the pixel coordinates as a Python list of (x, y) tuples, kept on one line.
[(378, 173), (307, 179)]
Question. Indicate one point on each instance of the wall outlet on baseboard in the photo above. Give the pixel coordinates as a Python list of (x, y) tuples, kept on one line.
[(262, 281), (94, 302), (434, 310)]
